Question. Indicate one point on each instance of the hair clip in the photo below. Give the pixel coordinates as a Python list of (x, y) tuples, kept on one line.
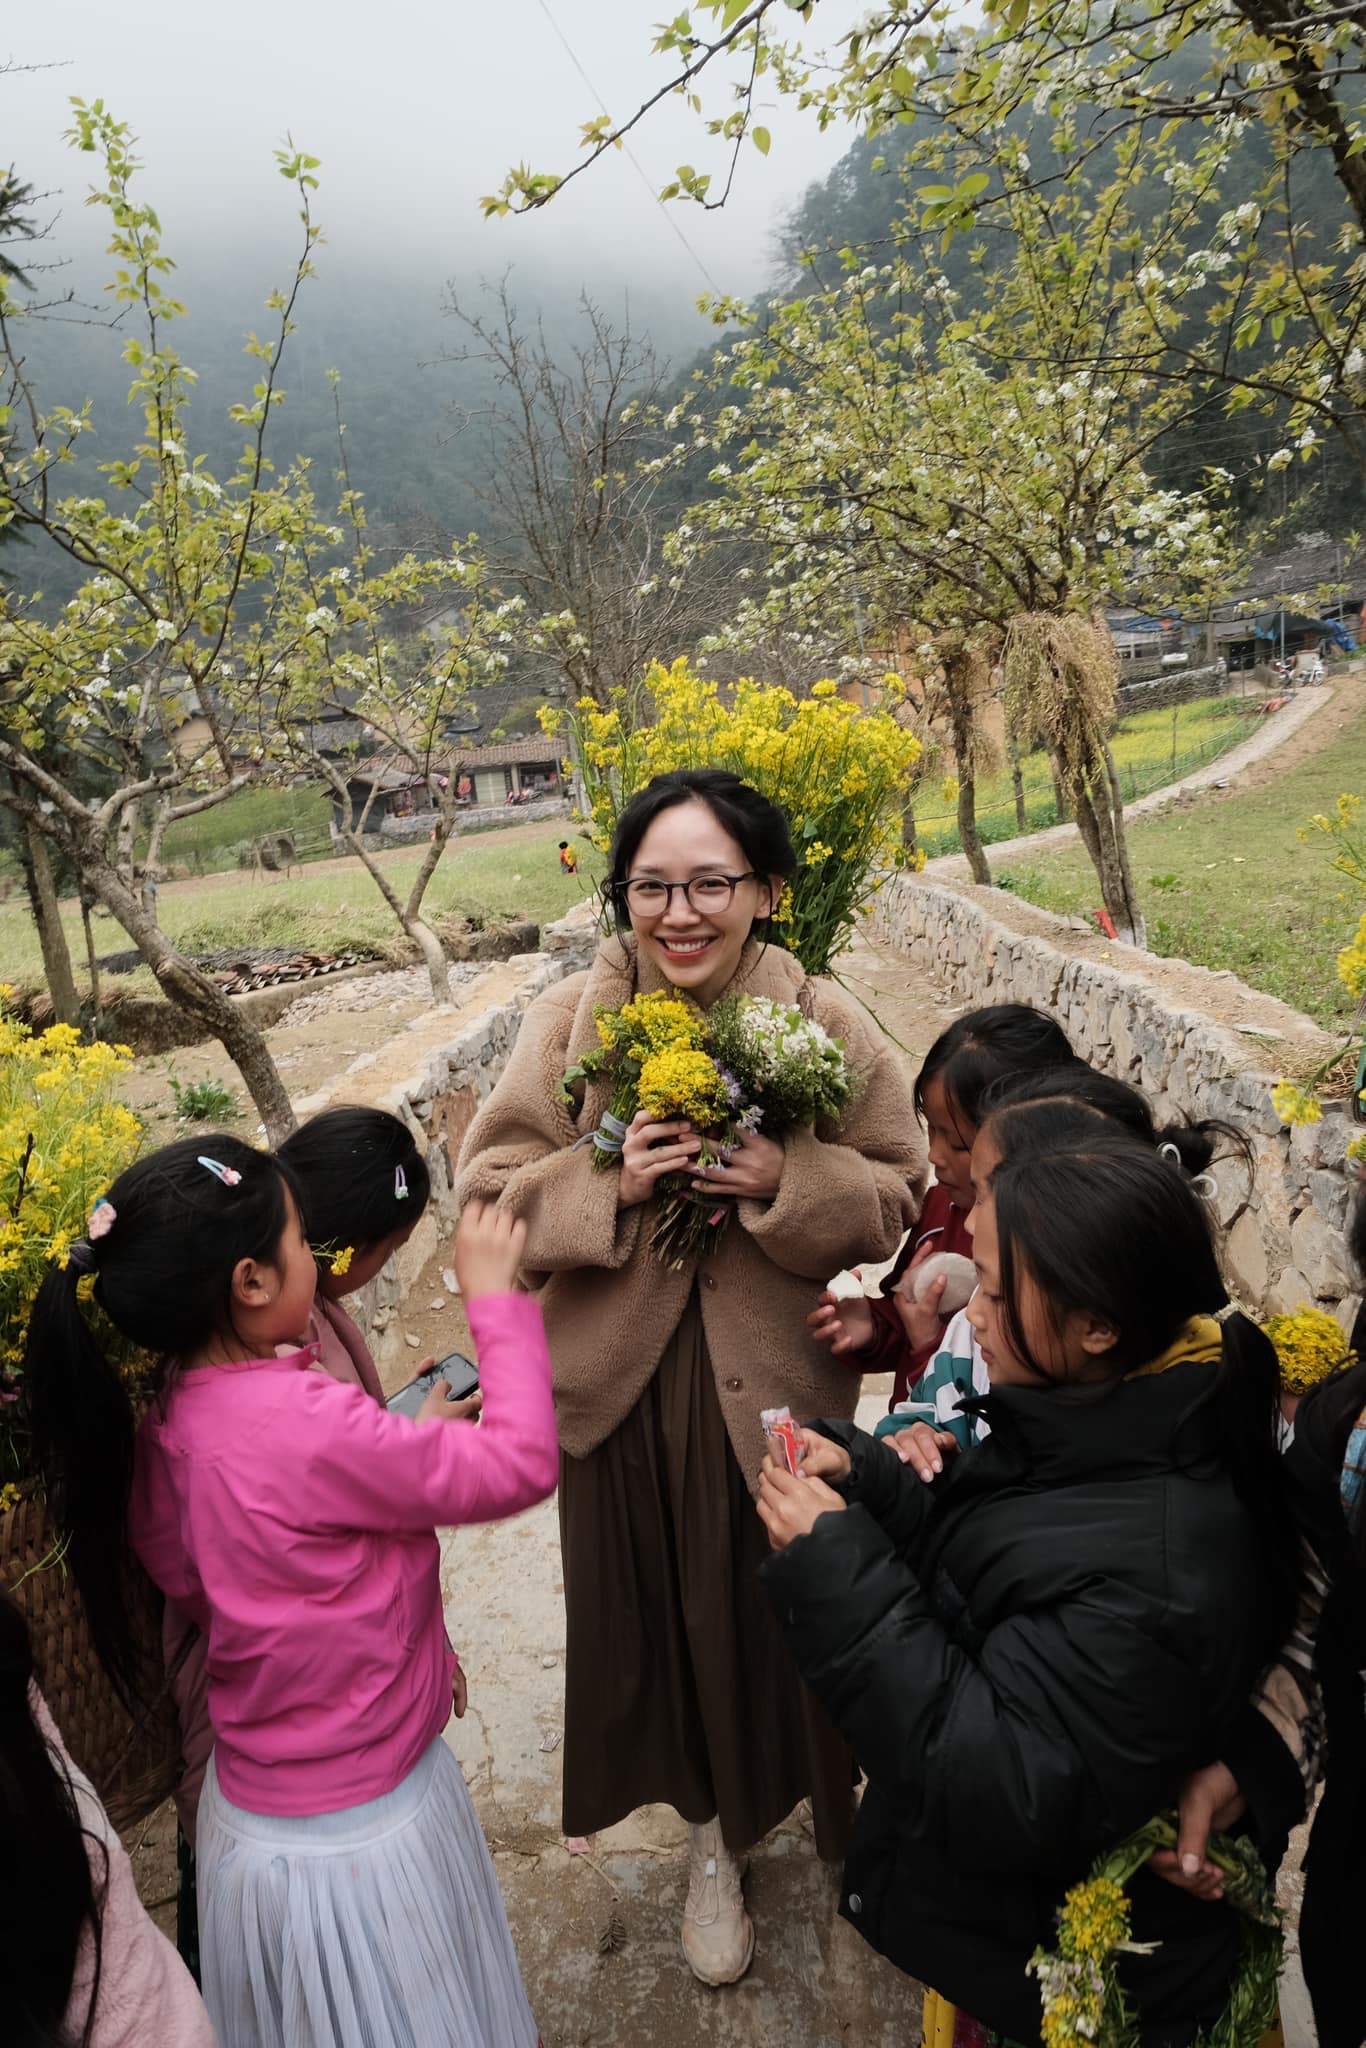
[(1206, 1186), (227, 1174), (400, 1185), (103, 1217), (1169, 1152)]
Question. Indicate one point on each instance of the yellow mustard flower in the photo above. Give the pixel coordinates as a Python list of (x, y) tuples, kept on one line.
[(1309, 1347), (1295, 1105)]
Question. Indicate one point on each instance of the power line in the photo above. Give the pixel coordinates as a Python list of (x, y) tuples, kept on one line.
[(634, 159)]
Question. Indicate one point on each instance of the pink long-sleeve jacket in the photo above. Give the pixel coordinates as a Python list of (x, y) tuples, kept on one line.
[(294, 1521)]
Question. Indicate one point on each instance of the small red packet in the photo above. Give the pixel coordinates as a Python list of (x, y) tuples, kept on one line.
[(785, 1441)]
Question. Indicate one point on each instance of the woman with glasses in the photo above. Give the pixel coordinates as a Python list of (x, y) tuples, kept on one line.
[(678, 1689)]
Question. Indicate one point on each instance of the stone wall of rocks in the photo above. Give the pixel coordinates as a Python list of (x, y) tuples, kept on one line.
[(417, 825), (1285, 1230), (439, 1100), (1169, 687)]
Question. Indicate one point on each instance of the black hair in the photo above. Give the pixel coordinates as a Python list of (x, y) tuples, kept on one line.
[(350, 1164), (1061, 1103), (164, 1279), (756, 824), (1105, 1227), (47, 1889), (988, 1045), (563, 844)]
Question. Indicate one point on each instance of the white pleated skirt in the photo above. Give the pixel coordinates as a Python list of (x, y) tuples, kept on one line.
[(381, 1926)]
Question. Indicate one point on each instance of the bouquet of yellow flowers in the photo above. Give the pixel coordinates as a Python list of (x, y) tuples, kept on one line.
[(749, 1062), (63, 1138)]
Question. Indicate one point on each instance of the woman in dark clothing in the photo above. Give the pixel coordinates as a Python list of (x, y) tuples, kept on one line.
[(1029, 1657)]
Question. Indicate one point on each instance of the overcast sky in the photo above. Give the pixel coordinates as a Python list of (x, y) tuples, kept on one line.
[(415, 107)]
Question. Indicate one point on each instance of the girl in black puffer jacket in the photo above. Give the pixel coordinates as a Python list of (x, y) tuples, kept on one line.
[(1029, 1657)]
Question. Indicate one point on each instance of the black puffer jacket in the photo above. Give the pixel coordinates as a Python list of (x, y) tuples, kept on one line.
[(1334, 1892), (1027, 1667)]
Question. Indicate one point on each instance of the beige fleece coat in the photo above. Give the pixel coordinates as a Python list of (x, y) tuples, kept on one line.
[(848, 1193)]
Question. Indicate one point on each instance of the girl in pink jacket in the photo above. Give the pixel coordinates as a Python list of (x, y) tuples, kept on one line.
[(347, 1899), (364, 1187)]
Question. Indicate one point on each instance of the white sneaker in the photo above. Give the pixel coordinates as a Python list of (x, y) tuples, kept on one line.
[(718, 1935)]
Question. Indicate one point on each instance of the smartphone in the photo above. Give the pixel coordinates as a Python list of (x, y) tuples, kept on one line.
[(455, 1367)]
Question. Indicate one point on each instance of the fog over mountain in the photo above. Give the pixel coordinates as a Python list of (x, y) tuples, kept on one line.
[(415, 110)]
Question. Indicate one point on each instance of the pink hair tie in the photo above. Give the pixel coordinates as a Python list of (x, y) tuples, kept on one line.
[(103, 1217)]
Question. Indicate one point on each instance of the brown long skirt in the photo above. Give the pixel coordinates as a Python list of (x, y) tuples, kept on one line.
[(678, 1686)]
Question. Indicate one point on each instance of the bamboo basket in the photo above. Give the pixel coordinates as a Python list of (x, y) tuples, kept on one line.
[(133, 1761)]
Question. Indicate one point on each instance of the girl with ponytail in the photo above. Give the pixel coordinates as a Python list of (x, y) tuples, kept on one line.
[(1031, 1655), (293, 1519)]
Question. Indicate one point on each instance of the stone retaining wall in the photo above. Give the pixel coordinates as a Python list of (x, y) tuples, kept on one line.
[(438, 1101), (1285, 1231), (1169, 687)]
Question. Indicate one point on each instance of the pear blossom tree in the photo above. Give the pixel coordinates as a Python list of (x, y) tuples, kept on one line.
[(412, 695), (193, 612), (937, 466), (1078, 83)]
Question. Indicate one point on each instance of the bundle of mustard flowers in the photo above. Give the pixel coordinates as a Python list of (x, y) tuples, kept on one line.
[(1084, 2004), (1309, 1346), (749, 1062)]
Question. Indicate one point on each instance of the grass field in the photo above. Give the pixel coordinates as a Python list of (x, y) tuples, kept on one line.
[(1151, 749), (210, 841), (333, 907), (1228, 883)]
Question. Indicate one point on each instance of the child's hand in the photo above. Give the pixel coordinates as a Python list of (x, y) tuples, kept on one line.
[(921, 1320), (460, 1692), (455, 1411), (924, 1449), (823, 1459), (843, 1325), (789, 1506), (488, 1251)]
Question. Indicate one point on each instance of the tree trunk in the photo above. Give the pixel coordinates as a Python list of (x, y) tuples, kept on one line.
[(1060, 804), (909, 838), (1017, 783), (193, 992), (417, 929), (1105, 848), (93, 966), (1133, 915), (47, 915), (960, 726)]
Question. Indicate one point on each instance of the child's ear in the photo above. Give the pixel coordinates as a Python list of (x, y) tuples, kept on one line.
[(253, 1285), (1098, 1337)]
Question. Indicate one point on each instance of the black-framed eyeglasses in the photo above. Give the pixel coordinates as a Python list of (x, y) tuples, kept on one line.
[(649, 897)]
